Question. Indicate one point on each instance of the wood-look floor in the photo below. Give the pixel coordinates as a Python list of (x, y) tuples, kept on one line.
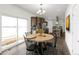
[(61, 49)]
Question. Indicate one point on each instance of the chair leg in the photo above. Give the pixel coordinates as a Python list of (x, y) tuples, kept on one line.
[(55, 43), (37, 51)]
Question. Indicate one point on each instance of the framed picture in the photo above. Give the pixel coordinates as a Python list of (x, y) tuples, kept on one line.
[(68, 23)]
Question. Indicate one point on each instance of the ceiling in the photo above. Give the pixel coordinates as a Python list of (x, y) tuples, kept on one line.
[(52, 10)]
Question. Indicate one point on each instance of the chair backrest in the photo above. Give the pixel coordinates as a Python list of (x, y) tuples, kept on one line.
[(28, 33), (25, 39), (46, 30), (54, 27), (28, 42)]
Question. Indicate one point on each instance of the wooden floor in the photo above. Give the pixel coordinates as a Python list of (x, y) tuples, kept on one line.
[(61, 49)]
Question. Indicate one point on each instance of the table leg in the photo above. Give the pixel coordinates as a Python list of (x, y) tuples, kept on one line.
[(40, 48)]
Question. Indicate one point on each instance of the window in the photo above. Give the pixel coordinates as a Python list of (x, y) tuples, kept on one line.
[(12, 29), (22, 28), (9, 34)]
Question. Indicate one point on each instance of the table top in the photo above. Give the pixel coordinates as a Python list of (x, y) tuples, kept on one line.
[(40, 38)]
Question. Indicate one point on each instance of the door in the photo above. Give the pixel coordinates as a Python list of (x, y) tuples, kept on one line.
[(75, 29)]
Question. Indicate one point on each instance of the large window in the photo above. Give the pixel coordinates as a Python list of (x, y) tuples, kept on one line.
[(22, 28), (12, 29), (9, 26)]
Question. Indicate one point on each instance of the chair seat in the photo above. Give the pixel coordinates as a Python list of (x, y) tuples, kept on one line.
[(31, 47), (49, 44)]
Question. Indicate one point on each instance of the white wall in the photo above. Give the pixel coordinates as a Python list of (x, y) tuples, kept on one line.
[(72, 36), (68, 34), (0, 33)]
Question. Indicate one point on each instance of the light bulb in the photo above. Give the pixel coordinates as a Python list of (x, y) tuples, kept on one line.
[(56, 22)]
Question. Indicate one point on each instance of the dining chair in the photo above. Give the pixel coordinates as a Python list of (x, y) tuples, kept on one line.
[(46, 30), (49, 44), (30, 46), (27, 33), (52, 43)]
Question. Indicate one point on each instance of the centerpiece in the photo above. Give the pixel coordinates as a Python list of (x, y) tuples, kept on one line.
[(40, 31)]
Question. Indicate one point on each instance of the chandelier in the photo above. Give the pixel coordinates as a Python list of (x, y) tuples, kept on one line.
[(41, 11)]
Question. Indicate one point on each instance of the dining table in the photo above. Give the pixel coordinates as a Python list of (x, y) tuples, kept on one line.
[(40, 38)]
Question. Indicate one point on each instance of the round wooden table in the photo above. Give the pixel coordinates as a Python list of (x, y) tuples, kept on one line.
[(40, 39)]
